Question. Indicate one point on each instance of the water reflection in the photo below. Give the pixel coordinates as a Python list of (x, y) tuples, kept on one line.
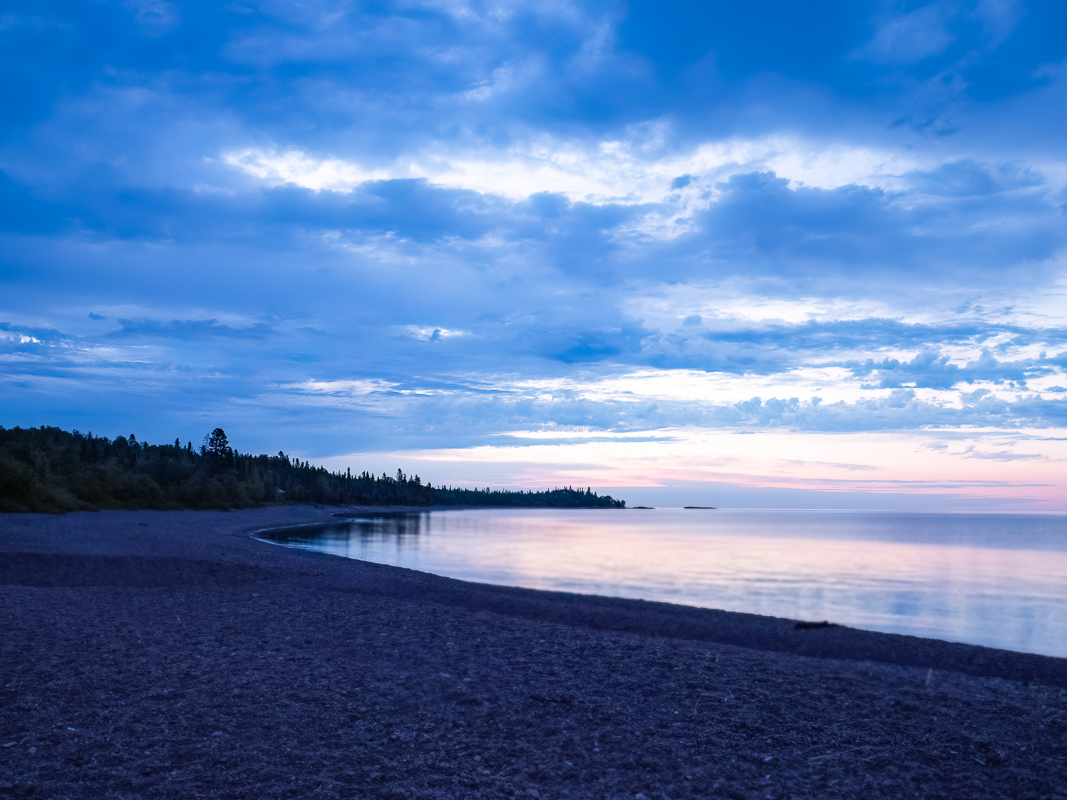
[(354, 533), (984, 579)]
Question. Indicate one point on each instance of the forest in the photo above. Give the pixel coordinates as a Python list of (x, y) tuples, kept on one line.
[(51, 470)]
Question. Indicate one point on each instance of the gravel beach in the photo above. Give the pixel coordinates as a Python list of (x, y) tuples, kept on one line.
[(169, 654)]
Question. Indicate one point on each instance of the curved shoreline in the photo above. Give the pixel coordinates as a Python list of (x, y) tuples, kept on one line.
[(597, 612), (162, 654), (759, 631)]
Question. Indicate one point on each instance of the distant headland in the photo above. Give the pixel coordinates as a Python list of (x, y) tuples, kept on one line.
[(51, 470)]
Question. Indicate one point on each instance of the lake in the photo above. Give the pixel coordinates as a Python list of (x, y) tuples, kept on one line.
[(989, 579)]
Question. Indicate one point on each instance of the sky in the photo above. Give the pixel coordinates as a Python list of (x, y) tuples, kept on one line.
[(764, 254)]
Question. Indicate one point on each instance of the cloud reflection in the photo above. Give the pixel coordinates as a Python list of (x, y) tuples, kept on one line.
[(995, 581)]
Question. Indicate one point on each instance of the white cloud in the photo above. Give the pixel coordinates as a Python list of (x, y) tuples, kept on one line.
[(295, 167), (696, 388), (637, 169), (344, 388), (728, 302), (427, 333), (20, 338)]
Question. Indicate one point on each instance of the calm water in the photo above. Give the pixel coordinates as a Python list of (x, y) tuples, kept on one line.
[(995, 580)]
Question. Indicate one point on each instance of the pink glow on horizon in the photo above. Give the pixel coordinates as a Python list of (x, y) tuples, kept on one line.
[(1023, 470)]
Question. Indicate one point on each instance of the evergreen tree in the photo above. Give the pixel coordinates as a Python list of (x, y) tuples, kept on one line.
[(51, 470)]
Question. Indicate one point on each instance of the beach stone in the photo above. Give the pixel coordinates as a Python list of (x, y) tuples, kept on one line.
[(624, 667)]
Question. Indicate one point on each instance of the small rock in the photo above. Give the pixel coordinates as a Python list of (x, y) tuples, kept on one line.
[(32, 750), (533, 793), (217, 733)]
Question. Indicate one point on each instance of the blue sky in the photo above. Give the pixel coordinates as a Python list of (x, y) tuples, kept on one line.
[(779, 254)]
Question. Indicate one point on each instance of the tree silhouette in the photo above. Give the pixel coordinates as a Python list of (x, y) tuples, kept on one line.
[(49, 469), (217, 449)]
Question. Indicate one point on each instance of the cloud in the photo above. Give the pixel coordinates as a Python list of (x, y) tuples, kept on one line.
[(154, 17), (968, 178), (970, 452), (933, 370), (641, 164), (763, 224), (912, 37), (429, 224), (186, 329)]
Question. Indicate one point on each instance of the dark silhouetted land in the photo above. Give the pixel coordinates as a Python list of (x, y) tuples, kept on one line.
[(51, 470)]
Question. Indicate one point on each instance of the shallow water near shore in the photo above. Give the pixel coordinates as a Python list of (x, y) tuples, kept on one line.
[(993, 580)]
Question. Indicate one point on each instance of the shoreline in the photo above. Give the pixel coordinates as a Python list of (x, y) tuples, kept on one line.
[(180, 631), (907, 649)]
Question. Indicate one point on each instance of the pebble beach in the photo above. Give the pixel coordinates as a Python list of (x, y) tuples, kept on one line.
[(170, 654)]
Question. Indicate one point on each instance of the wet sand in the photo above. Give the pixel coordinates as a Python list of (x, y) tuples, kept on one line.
[(169, 654)]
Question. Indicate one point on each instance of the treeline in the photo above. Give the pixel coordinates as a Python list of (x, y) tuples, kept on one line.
[(51, 470)]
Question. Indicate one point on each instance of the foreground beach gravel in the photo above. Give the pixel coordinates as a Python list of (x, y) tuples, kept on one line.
[(169, 654)]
